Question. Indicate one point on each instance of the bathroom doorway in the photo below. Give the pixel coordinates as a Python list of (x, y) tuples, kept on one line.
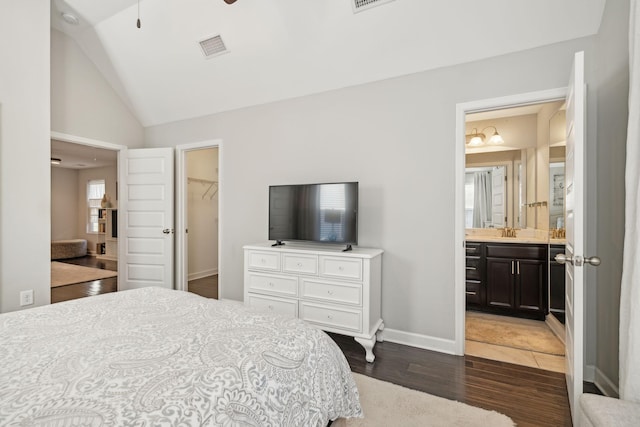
[(509, 156)]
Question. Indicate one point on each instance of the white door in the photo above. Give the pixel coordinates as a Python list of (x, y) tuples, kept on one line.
[(574, 256), (148, 218), (498, 196)]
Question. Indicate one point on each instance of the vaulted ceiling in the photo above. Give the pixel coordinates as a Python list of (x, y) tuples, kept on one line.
[(279, 49)]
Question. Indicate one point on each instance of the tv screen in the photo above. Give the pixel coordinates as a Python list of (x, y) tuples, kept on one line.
[(326, 213)]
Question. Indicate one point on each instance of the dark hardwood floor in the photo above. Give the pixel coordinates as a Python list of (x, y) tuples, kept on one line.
[(85, 289), (205, 287), (531, 397)]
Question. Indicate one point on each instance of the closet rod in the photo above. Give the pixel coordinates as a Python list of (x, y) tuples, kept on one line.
[(205, 181)]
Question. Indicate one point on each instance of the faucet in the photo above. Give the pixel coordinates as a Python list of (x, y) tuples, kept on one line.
[(508, 232)]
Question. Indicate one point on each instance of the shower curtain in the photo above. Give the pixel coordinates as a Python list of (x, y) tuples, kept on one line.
[(481, 199), (630, 286)]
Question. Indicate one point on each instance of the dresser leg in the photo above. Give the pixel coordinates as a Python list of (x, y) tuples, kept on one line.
[(368, 347), (379, 337)]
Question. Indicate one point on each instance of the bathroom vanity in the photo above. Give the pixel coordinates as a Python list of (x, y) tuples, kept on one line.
[(507, 276)]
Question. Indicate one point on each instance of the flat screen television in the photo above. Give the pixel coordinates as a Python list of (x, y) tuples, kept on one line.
[(323, 213)]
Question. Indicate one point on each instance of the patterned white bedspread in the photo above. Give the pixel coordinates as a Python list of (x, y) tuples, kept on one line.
[(157, 357)]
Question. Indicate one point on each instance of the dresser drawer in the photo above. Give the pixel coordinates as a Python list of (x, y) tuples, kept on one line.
[(333, 317), (295, 263), (343, 293), (259, 260), (274, 305), (266, 283), (344, 268), (473, 267)]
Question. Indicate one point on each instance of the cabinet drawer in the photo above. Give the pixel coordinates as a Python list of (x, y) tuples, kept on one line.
[(344, 293), (345, 268), (305, 264), (473, 268), (274, 305), (473, 248), (264, 261), (333, 317), (283, 285), (473, 292), (514, 250)]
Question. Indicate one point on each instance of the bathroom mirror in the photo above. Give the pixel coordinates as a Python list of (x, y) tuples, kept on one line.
[(557, 149), (532, 138), (494, 190)]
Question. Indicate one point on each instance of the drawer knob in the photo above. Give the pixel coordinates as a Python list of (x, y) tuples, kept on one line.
[(270, 307), (330, 292), (263, 260), (329, 317), (271, 284), (341, 268), (299, 264)]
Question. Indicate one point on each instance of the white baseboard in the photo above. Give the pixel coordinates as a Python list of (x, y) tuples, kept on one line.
[(605, 385), (418, 340), (201, 274), (556, 327), (589, 373)]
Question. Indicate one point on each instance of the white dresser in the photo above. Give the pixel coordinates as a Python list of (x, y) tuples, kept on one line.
[(337, 291)]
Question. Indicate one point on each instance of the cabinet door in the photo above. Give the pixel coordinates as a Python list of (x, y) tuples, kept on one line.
[(530, 280), (500, 283)]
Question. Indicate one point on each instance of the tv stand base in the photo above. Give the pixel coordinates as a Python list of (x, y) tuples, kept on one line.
[(348, 248), (278, 243)]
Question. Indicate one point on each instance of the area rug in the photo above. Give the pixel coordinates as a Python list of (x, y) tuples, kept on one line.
[(385, 404), (67, 274), (524, 334)]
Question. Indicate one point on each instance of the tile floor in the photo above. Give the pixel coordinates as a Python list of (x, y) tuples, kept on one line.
[(515, 355)]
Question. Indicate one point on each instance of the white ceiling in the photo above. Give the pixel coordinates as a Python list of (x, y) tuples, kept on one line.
[(281, 49), (76, 156)]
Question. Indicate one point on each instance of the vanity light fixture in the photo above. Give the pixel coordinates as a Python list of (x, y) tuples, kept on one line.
[(476, 139)]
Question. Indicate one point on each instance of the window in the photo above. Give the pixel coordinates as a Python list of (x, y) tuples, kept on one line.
[(95, 192)]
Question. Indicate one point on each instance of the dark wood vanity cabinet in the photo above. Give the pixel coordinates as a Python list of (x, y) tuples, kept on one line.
[(514, 280), (556, 283), (475, 266)]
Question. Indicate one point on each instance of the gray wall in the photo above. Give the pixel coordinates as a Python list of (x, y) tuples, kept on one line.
[(25, 178), (84, 103), (64, 204), (613, 89), (396, 137)]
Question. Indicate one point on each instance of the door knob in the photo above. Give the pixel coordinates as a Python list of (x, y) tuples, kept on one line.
[(594, 260), (578, 260), (562, 259)]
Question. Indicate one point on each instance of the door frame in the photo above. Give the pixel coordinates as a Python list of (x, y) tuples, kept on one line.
[(462, 109), (181, 260), (121, 151)]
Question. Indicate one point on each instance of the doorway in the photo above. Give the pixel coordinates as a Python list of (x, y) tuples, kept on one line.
[(499, 321), (198, 192), (84, 217)]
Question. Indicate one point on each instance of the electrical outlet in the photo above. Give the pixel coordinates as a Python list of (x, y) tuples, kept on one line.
[(26, 297)]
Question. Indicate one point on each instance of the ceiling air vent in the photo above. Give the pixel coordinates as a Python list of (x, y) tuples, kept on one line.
[(360, 5), (213, 46)]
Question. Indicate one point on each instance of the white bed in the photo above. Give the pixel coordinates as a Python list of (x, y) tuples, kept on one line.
[(152, 356)]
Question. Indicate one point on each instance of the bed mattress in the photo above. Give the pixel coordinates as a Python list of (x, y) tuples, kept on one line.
[(152, 356)]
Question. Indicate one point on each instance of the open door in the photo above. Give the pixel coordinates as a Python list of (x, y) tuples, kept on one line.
[(147, 216), (574, 255)]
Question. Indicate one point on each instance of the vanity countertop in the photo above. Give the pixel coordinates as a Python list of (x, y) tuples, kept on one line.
[(497, 239), (558, 241)]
